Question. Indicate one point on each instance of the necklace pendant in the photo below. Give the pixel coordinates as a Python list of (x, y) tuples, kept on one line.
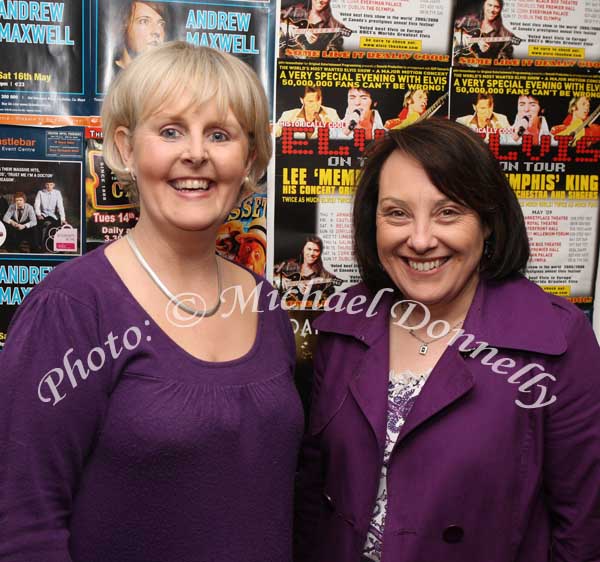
[(423, 349)]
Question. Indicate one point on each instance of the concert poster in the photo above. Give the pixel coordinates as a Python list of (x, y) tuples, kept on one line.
[(327, 115), (377, 29), (109, 213), (43, 61), (494, 33), (242, 28), (43, 168), (544, 128), (18, 276)]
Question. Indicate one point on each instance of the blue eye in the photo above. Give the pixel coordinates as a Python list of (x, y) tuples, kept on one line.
[(170, 133), (219, 136)]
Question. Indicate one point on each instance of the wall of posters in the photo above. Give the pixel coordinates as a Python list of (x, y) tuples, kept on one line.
[(41, 174), (44, 57), (373, 26), (541, 127), (244, 29), (328, 113)]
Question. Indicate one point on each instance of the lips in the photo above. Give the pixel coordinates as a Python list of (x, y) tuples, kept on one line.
[(191, 184), (426, 265)]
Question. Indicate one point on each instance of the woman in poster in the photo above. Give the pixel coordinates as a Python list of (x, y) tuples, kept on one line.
[(459, 420), (146, 414)]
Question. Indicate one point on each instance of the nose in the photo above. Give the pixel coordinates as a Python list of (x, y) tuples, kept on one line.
[(422, 237), (194, 150), (156, 29)]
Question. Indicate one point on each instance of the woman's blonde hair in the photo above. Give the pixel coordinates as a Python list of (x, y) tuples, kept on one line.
[(177, 70)]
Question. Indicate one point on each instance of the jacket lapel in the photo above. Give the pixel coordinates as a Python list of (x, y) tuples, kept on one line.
[(449, 381), (369, 387)]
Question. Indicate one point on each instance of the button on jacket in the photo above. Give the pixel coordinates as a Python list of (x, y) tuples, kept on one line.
[(473, 477)]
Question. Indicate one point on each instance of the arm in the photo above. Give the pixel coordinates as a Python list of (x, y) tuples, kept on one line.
[(31, 220), (572, 447), (7, 218), (37, 205), (45, 443), (60, 206)]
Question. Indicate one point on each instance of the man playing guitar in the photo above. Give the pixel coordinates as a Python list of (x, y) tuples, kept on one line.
[(312, 27), (483, 35)]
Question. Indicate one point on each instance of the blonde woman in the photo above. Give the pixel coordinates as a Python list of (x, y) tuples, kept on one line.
[(151, 418)]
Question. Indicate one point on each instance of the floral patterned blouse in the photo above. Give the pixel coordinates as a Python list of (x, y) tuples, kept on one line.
[(403, 389)]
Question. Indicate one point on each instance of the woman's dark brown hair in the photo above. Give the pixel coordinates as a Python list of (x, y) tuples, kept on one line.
[(461, 166)]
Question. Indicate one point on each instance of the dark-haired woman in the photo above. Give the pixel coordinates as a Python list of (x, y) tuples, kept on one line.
[(459, 421)]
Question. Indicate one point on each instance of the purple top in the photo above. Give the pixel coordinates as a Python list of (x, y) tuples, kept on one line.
[(141, 452)]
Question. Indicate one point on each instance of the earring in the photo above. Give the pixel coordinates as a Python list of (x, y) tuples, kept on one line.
[(488, 249)]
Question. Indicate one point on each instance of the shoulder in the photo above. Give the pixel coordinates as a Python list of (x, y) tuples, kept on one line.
[(517, 314), (290, 114), (502, 120), (357, 312), (83, 279)]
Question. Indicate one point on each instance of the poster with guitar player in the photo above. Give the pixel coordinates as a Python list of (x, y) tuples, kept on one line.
[(544, 128), (327, 115), (498, 32), (385, 29)]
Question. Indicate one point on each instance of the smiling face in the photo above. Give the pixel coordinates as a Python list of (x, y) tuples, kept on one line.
[(582, 108), (419, 101), (189, 164), (311, 253), (491, 10), (429, 245), (146, 29)]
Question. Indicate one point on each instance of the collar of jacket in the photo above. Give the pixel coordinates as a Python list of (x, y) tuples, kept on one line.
[(497, 309)]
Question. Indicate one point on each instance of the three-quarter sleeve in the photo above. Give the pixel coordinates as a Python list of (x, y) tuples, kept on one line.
[(55, 376)]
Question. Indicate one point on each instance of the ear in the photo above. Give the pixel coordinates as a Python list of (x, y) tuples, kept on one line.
[(123, 140)]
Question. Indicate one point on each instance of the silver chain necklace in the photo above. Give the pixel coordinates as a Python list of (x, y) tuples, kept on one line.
[(167, 293), (425, 344)]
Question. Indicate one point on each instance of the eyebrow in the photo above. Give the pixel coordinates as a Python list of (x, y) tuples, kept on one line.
[(396, 201)]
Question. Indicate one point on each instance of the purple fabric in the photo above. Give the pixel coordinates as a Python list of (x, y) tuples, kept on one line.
[(473, 477), (155, 457)]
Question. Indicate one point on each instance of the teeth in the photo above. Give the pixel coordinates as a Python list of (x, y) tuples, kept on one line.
[(426, 266), (190, 185)]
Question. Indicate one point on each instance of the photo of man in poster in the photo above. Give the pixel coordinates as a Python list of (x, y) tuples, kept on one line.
[(361, 114), (50, 212), (484, 119), (311, 25), (579, 122), (528, 121), (311, 112), (415, 104), (483, 34), (305, 278), (20, 222)]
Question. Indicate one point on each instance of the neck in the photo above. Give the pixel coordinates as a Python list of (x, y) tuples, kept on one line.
[(451, 312), (176, 252)]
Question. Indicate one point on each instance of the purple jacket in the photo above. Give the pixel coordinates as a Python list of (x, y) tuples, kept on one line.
[(473, 477)]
